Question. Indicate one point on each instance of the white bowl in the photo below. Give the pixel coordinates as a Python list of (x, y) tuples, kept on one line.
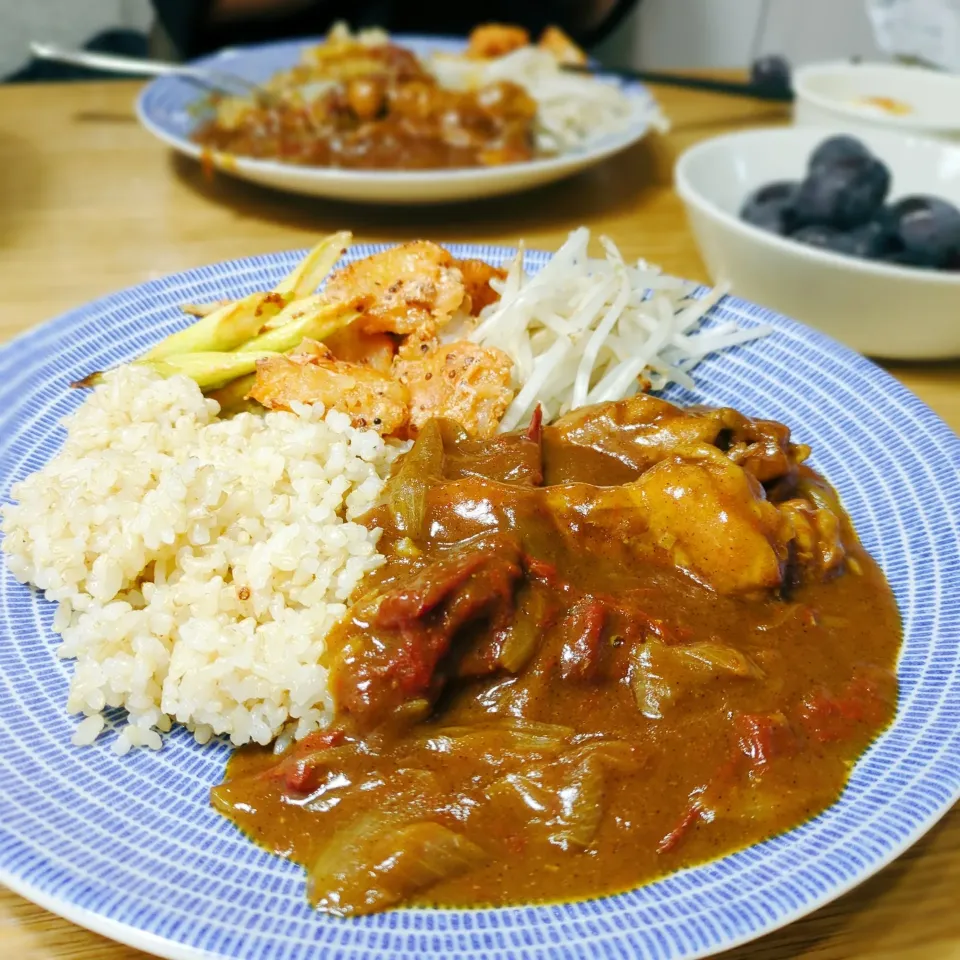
[(831, 94), (879, 309)]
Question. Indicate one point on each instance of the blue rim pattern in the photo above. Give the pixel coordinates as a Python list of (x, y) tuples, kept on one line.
[(130, 847), (166, 104)]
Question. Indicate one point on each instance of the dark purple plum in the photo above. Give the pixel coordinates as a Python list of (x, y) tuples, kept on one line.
[(771, 207), (927, 228), (837, 150), (843, 194), (869, 242), (872, 241), (840, 207)]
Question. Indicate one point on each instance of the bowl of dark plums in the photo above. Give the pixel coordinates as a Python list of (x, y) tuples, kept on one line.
[(858, 235)]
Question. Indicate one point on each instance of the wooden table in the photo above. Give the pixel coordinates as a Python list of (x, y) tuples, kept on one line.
[(90, 203)]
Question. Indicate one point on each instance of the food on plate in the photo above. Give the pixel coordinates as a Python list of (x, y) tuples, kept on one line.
[(890, 106), (402, 289), (312, 374), (597, 651), (841, 206), (412, 332), (198, 562), (198, 527), (491, 40), (585, 329), (469, 383), (362, 101), (488, 622)]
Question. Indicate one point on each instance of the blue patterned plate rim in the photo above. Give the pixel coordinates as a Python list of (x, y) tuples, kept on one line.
[(162, 102), (80, 855)]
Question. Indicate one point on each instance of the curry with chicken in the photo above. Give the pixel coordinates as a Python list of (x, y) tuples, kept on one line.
[(364, 106), (598, 651)]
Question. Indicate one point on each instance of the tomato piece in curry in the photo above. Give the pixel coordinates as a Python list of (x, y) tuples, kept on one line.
[(598, 651)]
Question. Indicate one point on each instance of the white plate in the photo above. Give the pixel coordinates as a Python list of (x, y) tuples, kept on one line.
[(165, 109)]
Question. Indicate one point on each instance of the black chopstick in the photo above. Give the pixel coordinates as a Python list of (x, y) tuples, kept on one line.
[(692, 83)]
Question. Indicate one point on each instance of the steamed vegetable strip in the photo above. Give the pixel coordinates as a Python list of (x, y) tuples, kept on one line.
[(306, 276), (222, 330), (295, 309), (316, 322), (597, 338), (202, 309), (524, 402), (296, 286), (589, 329), (208, 369)]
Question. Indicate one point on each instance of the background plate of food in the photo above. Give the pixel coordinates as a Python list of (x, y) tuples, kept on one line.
[(510, 620), (405, 119)]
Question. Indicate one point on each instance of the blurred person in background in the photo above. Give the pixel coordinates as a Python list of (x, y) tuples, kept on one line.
[(189, 28), (664, 34), (181, 29)]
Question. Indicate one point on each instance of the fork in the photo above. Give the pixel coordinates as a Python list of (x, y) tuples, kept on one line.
[(218, 81)]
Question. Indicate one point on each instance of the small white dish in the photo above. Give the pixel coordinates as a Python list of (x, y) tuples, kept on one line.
[(880, 309), (166, 107), (850, 96)]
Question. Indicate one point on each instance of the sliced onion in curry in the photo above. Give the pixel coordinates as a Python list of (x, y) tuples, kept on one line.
[(406, 492)]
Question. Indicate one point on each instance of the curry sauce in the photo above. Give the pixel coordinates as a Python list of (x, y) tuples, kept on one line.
[(597, 652)]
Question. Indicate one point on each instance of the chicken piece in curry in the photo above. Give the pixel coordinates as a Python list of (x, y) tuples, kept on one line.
[(598, 651)]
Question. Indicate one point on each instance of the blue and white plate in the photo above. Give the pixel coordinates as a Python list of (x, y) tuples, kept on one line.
[(131, 848), (166, 109)]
